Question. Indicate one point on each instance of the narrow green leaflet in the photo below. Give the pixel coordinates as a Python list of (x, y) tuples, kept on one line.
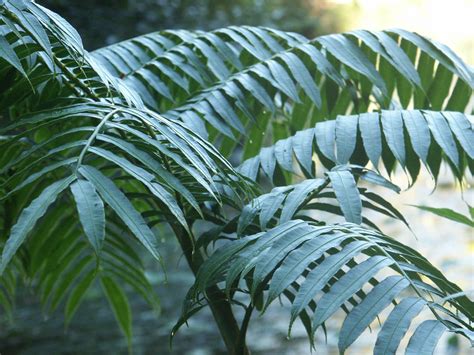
[(284, 154), (297, 261), (302, 76), (219, 259), (269, 206), (147, 179), (296, 197), (393, 128), (91, 212), (369, 125), (30, 216), (303, 148), (281, 247), (321, 62), (319, 276), (267, 161), (347, 194), (346, 137), (352, 56), (77, 295), (257, 90), (7, 53), (153, 165), (346, 286), (425, 338), (400, 59), (120, 306), (396, 325), (325, 136), (247, 261), (364, 313), (448, 213), (374, 178), (117, 200), (35, 176), (463, 129), (282, 79), (419, 133), (34, 27), (443, 136)]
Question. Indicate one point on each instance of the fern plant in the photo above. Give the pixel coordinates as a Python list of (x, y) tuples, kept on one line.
[(253, 130)]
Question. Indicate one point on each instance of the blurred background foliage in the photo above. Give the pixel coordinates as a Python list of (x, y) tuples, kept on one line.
[(108, 21), (102, 22)]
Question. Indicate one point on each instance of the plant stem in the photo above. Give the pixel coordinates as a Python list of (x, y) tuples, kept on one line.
[(240, 347), (218, 302), (93, 137)]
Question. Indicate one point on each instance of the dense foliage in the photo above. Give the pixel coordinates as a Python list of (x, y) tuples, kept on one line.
[(104, 151)]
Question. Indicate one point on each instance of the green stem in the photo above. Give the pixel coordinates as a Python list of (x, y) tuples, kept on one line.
[(75, 80), (93, 137), (241, 347)]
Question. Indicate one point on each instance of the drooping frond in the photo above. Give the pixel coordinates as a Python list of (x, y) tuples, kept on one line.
[(69, 175), (61, 265), (406, 137), (72, 143), (90, 172), (321, 269)]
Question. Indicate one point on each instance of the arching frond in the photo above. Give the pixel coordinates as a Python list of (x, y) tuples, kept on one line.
[(61, 146), (407, 137), (299, 80), (125, 58), (321, 269)]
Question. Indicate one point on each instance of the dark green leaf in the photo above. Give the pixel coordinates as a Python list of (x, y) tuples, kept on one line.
[(91, 212), (117, 200), (29, 217)]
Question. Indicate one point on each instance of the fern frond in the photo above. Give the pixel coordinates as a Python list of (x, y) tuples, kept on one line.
[(337, 266), (299, 80), (105, 155), (43, 62), (405, 137), (337, 193)]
